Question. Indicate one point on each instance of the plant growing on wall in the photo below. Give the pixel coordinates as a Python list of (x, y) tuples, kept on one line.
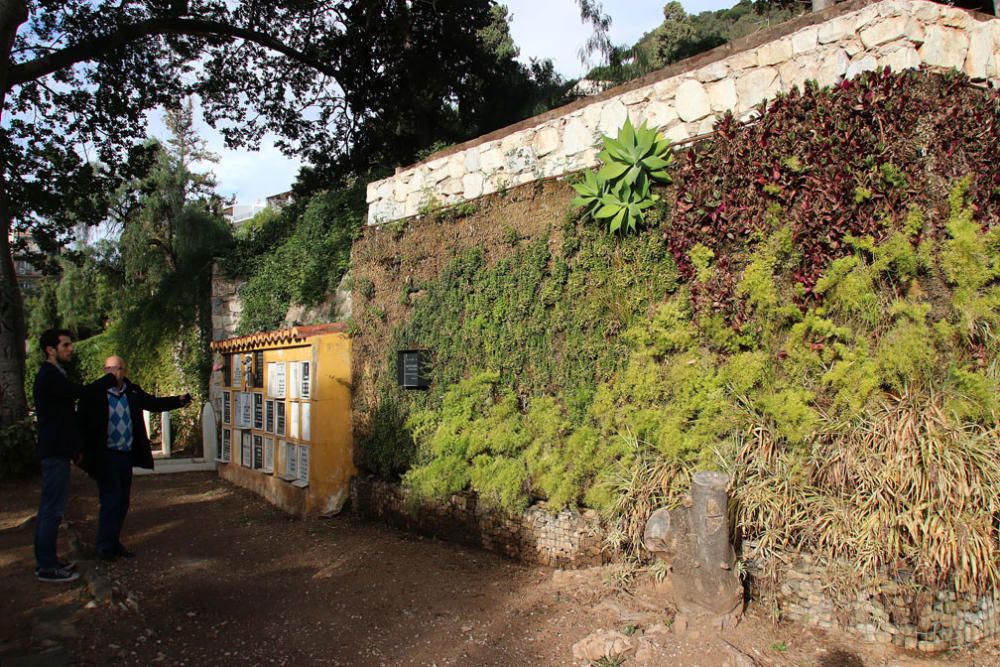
[(620, 191)]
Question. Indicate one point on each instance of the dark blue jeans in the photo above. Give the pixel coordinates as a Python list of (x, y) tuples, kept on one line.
[(114, 485), (55, 493)]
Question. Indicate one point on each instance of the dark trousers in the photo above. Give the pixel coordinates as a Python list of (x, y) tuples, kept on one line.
[(55, 493), (114, 485)]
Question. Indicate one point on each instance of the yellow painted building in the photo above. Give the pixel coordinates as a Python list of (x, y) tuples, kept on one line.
[(286, 416)]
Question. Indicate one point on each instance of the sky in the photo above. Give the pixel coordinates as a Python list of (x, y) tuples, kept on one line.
[(541, 28)]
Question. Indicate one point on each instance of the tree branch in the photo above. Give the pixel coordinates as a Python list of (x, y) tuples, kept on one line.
[(127, 34)]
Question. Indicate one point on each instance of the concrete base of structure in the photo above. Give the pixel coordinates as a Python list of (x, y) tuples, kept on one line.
[(271, 488), (165, 466)]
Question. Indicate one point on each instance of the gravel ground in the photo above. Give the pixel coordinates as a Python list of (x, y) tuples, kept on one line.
[(223, 578)]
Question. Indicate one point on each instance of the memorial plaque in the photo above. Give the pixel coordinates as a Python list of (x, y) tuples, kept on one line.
[(412, 369), (279, 380), (268, 454), (258, 452), (279, 420), (244, 409), (303, 463), (258, 369), (246, 450), (227, 409), (306, 428), (304, 379), (269, 416), (291, 460), (227, 444), (258, 411), (293, 427), (236, 365)]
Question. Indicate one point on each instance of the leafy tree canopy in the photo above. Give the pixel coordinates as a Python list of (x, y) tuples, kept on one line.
[(339, 81)]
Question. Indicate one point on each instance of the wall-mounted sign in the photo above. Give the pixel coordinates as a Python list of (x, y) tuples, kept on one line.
[(413, 369)]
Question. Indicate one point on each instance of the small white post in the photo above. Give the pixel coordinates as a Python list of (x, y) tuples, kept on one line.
[(165, 432), (209, 433), (146, 420)]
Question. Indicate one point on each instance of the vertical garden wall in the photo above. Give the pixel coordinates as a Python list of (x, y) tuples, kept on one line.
[(812, 305)]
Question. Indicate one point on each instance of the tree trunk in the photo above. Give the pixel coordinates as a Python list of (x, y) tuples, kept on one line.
[(13, 405)]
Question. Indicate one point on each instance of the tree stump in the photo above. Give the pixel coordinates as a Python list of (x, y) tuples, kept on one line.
[(694, 541)]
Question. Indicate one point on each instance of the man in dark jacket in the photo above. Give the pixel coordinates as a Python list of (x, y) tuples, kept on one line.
[(114, 440), (58, 442)]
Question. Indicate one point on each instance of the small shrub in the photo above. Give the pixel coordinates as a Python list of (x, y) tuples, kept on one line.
[(17, 449)]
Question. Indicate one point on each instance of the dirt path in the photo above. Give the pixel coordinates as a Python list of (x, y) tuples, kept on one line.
[(223, 578)]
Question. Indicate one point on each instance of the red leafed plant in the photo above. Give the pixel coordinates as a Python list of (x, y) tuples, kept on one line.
[(832, 162)]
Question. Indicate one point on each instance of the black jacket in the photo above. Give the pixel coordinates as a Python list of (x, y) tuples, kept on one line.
[(94, 424), (55, 408)]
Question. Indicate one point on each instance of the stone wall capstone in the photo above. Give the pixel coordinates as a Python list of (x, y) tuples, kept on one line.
[(686, 99)]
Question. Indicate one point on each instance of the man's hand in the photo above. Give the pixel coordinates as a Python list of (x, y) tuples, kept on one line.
[(185, 400)]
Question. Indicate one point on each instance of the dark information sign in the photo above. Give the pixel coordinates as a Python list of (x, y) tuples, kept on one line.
[(258, 410), (412, 369)]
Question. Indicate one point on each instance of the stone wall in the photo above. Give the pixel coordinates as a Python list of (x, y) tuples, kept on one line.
[(684, 100), (226, 304), (566, 539), (884, 610)]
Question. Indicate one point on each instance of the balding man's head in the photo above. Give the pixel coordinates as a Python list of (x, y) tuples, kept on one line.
[(116, 366)]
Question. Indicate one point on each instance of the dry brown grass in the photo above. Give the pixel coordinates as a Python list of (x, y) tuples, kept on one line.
[(907, 489)]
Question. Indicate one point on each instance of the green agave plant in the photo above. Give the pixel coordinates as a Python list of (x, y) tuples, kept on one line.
[(620, 190)]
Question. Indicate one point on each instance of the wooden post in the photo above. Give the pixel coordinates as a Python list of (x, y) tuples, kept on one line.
[(694, 540)]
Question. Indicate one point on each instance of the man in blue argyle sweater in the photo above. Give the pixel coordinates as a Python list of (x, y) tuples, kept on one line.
[(115, 440)]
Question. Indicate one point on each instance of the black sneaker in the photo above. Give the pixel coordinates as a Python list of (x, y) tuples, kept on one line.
[(56, 574), (123, 552), (68, 565)]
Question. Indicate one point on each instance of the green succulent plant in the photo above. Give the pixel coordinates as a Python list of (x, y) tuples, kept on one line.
[(620, 191)]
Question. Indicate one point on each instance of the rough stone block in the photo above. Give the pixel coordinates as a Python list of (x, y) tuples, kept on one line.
[(835, 30), (491, 160), (956, 18), (859, 65), (659, 114), (833, 68), (677, 133), (925, 11), (980, 60), (577, 137), (773, 53), (713, 72), (901, 58), (546, 140), (613, 116), (790, 74), (805, 40), (865, 17), (944, 47), (692, 101), (757, 85), (472, 159), (743, 60), (664, 90), (472, 185), (456, 167), (887, 30)]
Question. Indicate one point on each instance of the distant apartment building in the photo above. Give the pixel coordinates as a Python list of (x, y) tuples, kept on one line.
[(28, 276), (239, 214)]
